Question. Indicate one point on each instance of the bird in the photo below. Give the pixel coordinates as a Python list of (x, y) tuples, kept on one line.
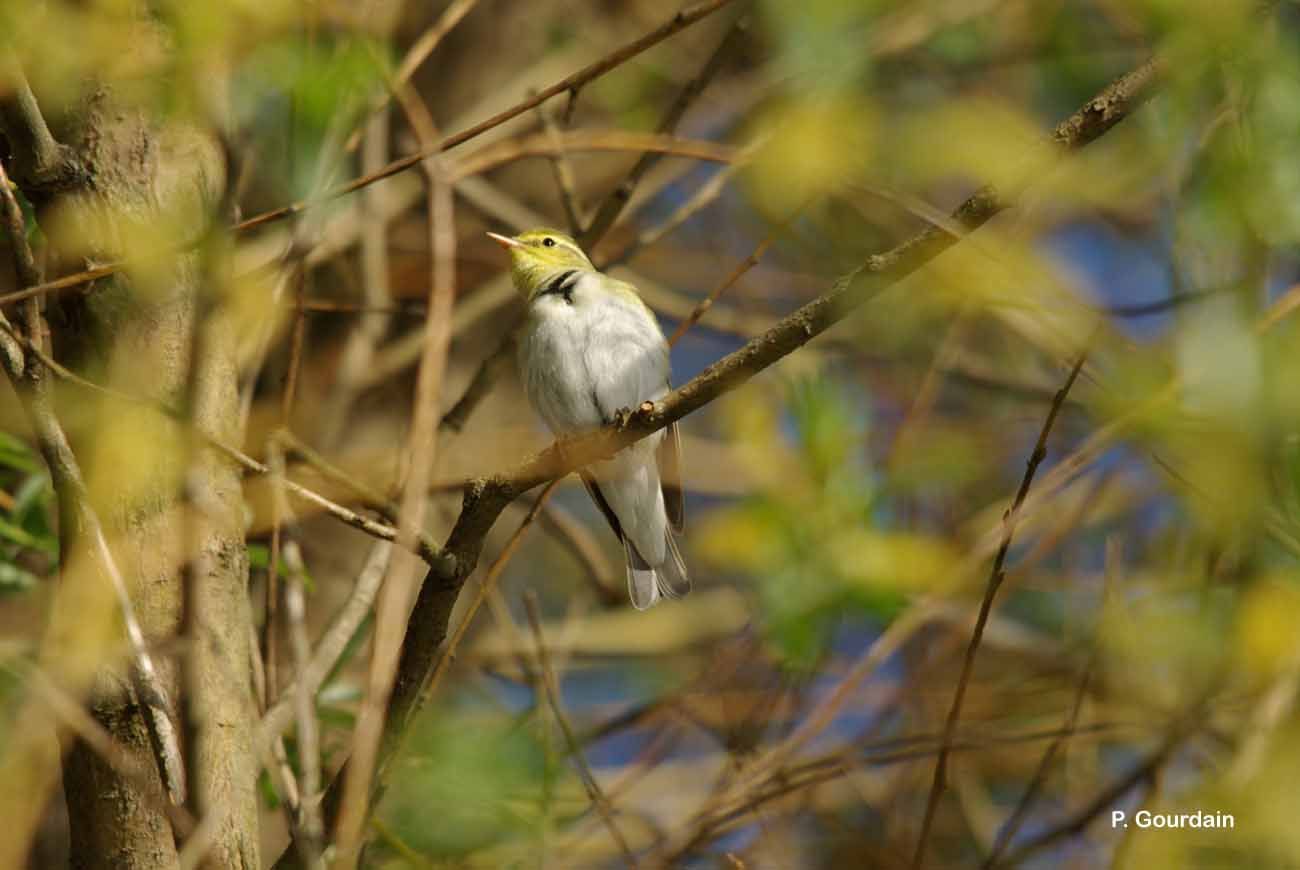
[(589, 350)]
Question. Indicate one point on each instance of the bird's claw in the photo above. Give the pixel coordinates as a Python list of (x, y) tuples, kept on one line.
[(622, 417)]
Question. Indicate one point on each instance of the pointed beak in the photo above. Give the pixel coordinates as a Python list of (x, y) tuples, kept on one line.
[(504, 241)]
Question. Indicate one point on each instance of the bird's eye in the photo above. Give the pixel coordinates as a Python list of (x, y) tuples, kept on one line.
[(548, 242)]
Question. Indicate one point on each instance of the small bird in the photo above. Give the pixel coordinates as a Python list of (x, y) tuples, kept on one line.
[(589, 352)]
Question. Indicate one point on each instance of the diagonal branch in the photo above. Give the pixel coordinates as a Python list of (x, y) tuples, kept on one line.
[(996, 575), (572, 83), (41, 162), (551, 688), (609, 210)]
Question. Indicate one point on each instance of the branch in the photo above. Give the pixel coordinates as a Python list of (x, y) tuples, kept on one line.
[(1083, 817), (425, 547), (609, 210), (562, 169), (683, 19), (702, 307), (483, 160), (331, 645), (996, 576), (399, 589), (306, 825), (551, 688), (41, 163)]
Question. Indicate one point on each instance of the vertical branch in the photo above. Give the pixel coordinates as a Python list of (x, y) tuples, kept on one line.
[(405, 570), (370, 327), (552, 691), (309, 830), (996, 576)]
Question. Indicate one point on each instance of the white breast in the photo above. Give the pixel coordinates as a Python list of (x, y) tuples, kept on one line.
[(581, 362)]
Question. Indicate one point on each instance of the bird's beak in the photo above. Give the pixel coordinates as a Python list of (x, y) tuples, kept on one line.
[(504, 241)]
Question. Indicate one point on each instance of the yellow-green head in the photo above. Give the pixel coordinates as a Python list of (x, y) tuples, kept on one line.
[(539, 255)]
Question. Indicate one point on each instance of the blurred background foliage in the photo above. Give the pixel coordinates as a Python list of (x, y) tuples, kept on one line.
[(843, 508)]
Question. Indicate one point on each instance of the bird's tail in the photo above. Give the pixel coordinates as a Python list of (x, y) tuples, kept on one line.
[(647, 583)]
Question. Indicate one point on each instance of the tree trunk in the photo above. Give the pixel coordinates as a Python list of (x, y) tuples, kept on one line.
[(136, 335)]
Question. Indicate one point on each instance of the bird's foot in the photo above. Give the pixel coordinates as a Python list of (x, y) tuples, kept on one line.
[(622, 417)]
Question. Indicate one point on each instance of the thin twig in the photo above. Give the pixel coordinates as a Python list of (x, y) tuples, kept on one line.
[(309, 832), (608, 211), (996, 576), (125, 763), (483, 160), (359, 350), (574, 82), (480, 385), (736, 274), (1105, 799), (425, 547), (398, 591), (563, 172), (576, 537), (704, 195), (329, 648), (552, 690), (416, 55)]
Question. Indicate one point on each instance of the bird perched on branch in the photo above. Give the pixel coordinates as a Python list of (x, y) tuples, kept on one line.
[(589, 352)]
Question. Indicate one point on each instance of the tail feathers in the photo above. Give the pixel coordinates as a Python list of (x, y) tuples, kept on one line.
[(674, 582), (642, 583), (646, 584)]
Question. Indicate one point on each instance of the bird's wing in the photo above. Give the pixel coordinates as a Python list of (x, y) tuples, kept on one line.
[(669, 456), (643, 584), (593, 489)]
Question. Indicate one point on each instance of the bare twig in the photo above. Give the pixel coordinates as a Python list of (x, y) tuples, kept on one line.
[(996, 576), (552, 691), (705, 195), (1036, 782), (576, 537), (399, 589), (343, 626), (486, 585), (608, 211), (417, 54), (574, 82), (544, 144), (563, 172), (736, 274), (67, 282), (117, 756), (425, 547), (1105, 799), (309, 831), (359, 350), (480, 385)]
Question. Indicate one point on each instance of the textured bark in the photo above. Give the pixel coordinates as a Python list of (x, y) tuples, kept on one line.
[(137, 337)]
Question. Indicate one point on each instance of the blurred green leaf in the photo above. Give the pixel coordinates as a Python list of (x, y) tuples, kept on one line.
[(474, 776)]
